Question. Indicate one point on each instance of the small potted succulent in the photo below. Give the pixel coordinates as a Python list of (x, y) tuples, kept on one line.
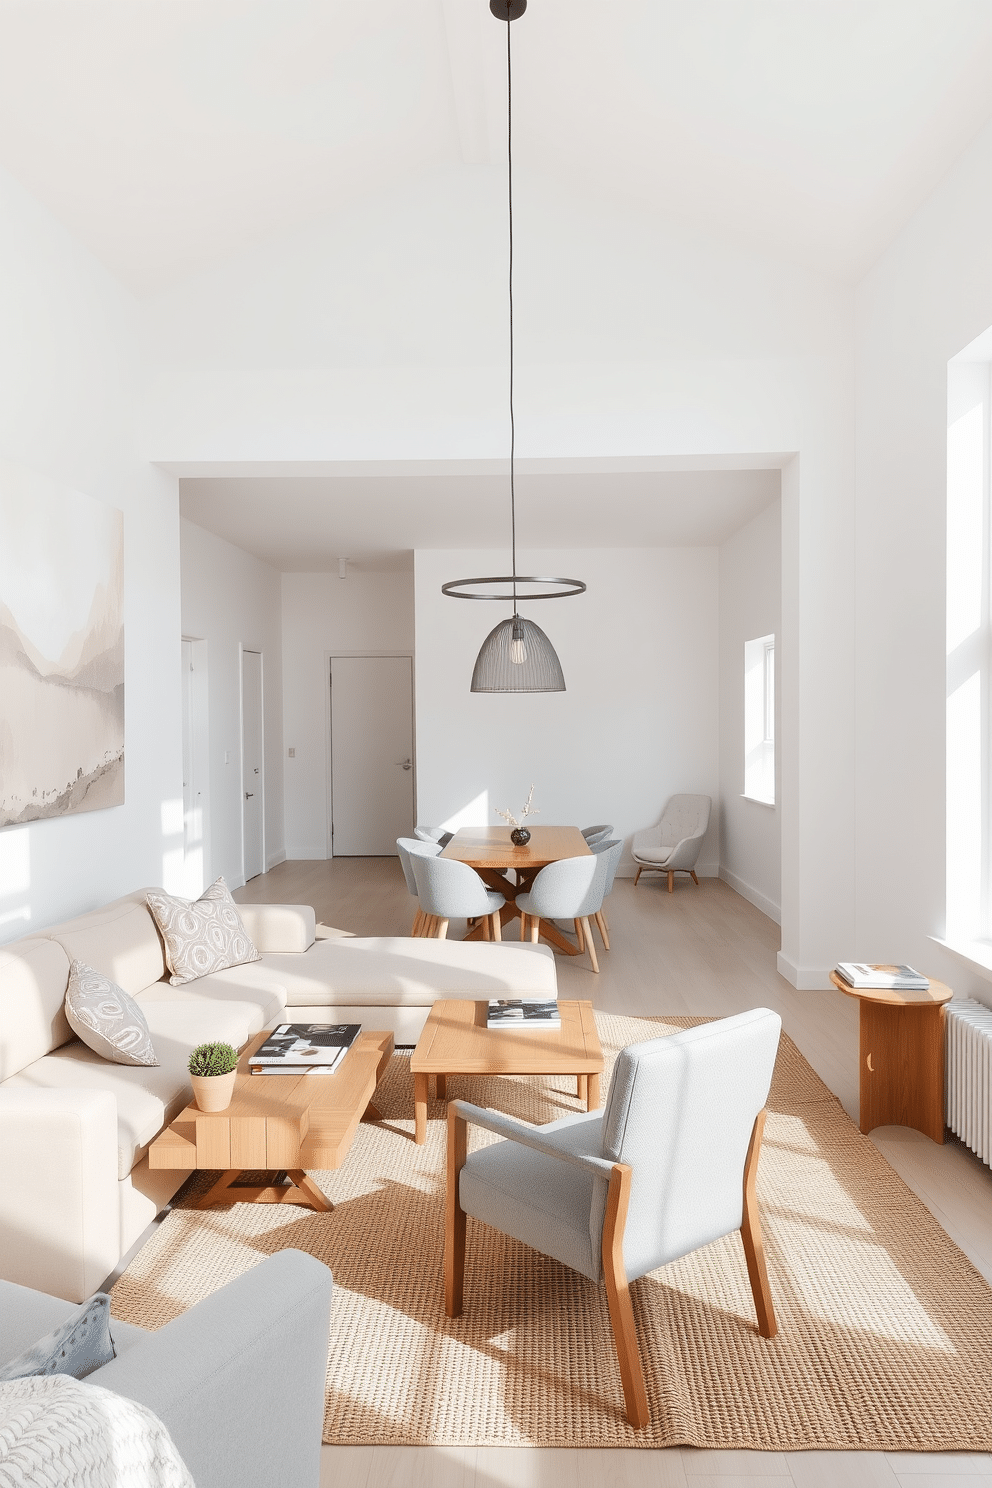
[(212, 1068)]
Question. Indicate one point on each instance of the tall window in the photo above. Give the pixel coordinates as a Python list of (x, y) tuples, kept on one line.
[(969, 647), (759, 719)]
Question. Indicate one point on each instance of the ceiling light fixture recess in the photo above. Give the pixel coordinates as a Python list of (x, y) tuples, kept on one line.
[(516, 656)]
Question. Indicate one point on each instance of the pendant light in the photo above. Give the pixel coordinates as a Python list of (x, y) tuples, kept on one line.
[(516, 655)]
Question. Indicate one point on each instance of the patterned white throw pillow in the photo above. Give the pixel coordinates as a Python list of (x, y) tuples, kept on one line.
[(207, 935), (56, 1430), (106, 1019)]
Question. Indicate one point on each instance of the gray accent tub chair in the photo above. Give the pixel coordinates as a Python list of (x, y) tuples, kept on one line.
[(673, 845), (669, 1166)]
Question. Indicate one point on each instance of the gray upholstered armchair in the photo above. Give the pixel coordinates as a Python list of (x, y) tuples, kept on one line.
[(669, 1166), (673, 845)]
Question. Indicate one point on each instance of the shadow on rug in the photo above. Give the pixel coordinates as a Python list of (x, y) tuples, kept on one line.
[(885, 1337)]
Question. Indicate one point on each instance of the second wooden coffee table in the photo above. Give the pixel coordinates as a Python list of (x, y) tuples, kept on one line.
[(456, 1041)]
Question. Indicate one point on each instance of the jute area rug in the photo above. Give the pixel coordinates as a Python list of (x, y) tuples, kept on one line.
[(885, 1337)]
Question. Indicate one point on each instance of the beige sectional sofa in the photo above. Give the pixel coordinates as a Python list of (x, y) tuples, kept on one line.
[(76, 1190)]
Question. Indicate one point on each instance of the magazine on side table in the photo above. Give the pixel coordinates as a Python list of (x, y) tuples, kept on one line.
[(519, 1012)]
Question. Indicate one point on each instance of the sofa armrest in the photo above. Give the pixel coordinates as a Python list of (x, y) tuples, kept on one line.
[(280, 929), (59, 1196), (239, 1379)]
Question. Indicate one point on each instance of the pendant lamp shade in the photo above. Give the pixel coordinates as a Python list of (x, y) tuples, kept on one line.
[(517, 657)]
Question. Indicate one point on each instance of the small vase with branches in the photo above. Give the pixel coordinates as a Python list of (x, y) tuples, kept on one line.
[(519, 835)]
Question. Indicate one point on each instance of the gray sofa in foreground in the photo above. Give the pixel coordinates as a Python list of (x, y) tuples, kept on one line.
[(238, 1380)]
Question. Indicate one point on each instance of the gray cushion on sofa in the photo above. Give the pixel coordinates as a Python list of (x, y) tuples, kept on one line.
[(25, 1315)]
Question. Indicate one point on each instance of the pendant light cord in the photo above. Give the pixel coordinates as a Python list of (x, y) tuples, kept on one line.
[(509, 199)]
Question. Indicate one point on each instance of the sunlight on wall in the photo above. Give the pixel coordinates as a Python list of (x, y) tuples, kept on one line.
[(759, 719), (15, 878), (173, 858), (968, 637), (474, 814)]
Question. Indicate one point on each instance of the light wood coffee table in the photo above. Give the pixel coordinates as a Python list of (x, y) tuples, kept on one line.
[(456, 1041), (278, 1123)]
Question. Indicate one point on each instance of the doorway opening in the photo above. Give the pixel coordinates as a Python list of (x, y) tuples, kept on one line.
[(252, 765)]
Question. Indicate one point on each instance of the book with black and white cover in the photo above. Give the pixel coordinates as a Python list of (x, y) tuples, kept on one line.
[(519, 1012), (302, 1046), (864, 977)]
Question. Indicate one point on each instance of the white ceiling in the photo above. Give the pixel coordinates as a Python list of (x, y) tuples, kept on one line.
[(171, 134), (306, 525)]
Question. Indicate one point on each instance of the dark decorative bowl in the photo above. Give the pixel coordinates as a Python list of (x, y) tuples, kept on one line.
[(520, 836)]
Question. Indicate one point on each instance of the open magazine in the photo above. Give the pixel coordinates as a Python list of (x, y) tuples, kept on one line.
[(304, 1048), (518, 1012)]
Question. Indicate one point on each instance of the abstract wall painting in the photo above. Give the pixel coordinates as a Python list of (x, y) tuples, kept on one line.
[(61, 650)]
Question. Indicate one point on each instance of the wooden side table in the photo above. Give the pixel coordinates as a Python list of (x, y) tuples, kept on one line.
[(902, 1056)]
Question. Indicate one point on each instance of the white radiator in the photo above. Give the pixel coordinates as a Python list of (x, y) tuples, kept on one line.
[(968, 1082)]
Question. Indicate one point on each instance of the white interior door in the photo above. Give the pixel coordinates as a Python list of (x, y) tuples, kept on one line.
[(371, 754), (251, 762)]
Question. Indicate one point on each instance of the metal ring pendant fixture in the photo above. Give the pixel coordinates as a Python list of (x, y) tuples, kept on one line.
[(516, 655)]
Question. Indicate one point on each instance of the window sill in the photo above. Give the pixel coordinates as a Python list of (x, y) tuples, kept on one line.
[(977, 953), (758, 800)]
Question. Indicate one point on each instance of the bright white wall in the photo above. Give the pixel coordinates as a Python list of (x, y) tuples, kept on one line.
[(68, 370), (750, 606), (928, 297), (381, 335), (638, 719), (366, 614), (232, 601)]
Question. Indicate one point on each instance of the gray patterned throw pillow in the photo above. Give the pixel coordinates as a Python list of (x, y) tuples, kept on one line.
[(81, 1344), (106, 1019), (207, 935)]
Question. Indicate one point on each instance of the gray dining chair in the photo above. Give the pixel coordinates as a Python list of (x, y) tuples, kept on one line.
[(612, 851), (669, 1166), (450, 890), (406, 847), (571, 889), (433, 834), (598, 833)]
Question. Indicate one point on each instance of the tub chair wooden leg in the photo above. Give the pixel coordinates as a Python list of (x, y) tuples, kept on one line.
[(590, 944), (603, 928), (671, 880)]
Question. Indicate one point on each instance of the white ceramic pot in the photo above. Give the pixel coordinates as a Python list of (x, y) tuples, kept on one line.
[(213, 1092)]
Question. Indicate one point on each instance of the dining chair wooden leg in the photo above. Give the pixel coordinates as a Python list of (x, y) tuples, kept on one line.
[(535, 928), (578, 936), (497, 926), (590, 944), (523, 926), (417, 921), (640, 870), (635, 1395), (454, 1228), (486, 927), (692, 873), (603, 928), (671, 880), (442, 929), (754, 1247)]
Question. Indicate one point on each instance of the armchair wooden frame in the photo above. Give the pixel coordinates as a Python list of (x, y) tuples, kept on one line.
[(614, 1275)]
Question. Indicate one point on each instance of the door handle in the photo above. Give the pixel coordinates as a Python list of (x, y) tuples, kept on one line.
[(248, 795), (405, 764)]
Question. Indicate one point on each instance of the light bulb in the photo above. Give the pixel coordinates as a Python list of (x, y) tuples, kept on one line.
[(518, 651)]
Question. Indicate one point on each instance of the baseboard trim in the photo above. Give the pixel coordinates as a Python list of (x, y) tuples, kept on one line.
[(273, 859), (804, 978), (752, 895)]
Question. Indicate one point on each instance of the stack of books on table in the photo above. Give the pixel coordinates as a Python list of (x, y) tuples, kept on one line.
[(304, 1049), (516, 1012), (862, 977)]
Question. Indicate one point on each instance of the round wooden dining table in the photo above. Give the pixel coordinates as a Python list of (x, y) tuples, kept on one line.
[(490, 852)]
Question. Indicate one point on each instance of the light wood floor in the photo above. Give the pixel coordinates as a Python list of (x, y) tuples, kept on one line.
[(700, 950)]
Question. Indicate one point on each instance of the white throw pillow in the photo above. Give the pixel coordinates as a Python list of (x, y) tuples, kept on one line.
[(106, 1019), (207, 935), (56, 1429)]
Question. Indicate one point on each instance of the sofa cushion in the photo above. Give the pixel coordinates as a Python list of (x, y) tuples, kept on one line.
[(201, 935), (26, 1314), (396, 971), (106, 1019), (121, 940), (77, 1345), (254, 989), (33, 978), (147, 1098)]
